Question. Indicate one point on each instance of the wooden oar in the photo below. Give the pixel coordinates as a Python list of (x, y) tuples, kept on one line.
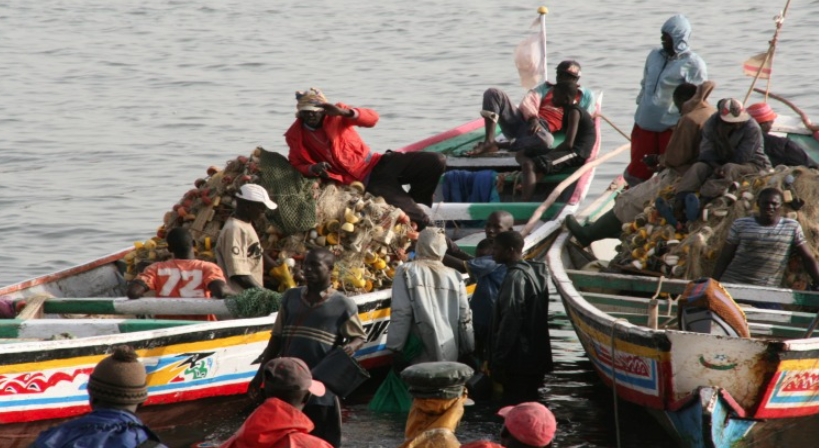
[(565, 184)]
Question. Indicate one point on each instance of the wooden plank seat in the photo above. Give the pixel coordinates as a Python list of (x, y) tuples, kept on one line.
[(648, 285), (761, 322)]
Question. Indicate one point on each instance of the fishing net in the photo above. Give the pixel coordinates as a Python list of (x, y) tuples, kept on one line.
[(254, 302), (649, 243), (393, 394), (368, 236), (296, 211)]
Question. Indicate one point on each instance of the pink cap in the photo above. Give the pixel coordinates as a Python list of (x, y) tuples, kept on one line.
[(761, 112), (530, 423), (292, 374)]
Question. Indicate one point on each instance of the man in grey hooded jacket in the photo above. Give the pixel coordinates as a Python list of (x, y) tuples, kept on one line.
[(429, 301), (665, 68)]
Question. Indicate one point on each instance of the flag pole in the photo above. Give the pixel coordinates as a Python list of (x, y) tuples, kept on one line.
[(543, 11), (769, 56)]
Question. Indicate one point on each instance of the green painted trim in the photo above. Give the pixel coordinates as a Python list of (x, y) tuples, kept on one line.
[(649, 285), (134, 325), (808, 143), (461, 142), (10, 328), (84, 306), (519, 210)]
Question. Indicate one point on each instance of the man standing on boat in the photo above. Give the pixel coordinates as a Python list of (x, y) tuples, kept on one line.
[(520, 351), (183, 276), (665, 68), (532, 123), (312, 321), (429, 302), (682, 152), (238, 250), (324, 143), (758, 247)]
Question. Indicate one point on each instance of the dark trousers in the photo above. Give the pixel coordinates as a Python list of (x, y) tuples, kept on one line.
[(521, 388), (513, 125), (327, 420), (420, 170)]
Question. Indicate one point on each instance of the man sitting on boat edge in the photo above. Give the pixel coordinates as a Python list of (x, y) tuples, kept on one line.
[(757, 249), (324, 143), (183, 276), (535, 120)]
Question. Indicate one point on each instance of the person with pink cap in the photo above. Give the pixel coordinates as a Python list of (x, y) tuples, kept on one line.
[(527, 425), (781, 150), (279, 422)]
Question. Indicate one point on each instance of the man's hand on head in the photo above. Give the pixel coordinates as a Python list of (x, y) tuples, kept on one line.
[(335, 111)]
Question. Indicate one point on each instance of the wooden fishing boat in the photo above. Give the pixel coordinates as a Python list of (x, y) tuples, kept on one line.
[(707, 390), (45, 362)]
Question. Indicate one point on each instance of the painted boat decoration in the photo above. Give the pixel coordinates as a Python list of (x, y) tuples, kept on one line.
[(707, 390), (44, 377)]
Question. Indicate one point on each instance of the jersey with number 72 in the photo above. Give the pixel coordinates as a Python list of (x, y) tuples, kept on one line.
[(181, 278)]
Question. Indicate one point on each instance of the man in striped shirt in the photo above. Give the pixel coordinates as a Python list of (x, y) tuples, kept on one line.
[(758, 248), (312, 321)]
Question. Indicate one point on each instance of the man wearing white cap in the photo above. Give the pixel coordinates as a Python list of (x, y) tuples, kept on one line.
[(731, 147), (238, 250)]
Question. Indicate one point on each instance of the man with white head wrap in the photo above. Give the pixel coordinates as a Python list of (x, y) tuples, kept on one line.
[(429, 301)]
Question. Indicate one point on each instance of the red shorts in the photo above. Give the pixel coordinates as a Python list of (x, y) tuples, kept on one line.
[(644, 143)]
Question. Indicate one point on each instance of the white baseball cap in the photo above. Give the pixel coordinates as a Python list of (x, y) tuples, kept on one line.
[(256, 193)]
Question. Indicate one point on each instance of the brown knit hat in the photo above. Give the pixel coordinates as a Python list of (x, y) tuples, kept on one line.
[(119, 378)]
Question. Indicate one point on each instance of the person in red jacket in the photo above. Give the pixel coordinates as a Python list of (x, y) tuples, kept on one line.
[(279, 422), (324, 143)]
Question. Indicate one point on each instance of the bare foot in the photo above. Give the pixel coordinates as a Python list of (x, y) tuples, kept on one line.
[(483, 148)]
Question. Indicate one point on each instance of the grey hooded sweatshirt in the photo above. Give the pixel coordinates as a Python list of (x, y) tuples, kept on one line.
[(429, 300), (663, 73)]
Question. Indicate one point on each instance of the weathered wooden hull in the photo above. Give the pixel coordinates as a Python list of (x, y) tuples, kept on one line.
[(46, 379), (707, 390)]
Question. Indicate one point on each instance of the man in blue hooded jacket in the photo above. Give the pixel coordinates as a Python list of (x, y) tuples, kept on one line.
[(666, 68)]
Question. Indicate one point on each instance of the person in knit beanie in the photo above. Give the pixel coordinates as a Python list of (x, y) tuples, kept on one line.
[(116, 387)]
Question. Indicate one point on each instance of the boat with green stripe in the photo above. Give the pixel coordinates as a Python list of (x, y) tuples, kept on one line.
[(45, 361), (707, 390)]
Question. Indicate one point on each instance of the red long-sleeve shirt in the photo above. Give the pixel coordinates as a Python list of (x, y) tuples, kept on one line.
[(337, 143)]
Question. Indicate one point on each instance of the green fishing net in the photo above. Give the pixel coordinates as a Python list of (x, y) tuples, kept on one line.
[(254, 302), (393, 394), (296, 211)]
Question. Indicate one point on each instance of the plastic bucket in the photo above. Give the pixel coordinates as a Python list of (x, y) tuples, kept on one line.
[(340, 372)]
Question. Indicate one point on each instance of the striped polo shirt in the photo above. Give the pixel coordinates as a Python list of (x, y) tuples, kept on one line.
[(762, 251)]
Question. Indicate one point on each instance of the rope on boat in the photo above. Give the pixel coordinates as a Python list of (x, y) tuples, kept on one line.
[(614, 379)]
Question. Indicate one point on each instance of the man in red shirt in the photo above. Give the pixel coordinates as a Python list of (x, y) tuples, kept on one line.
[(324, 143), (279, 422), (182, 276)]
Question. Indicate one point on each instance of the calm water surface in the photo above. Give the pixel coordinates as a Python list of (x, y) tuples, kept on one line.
[(110, 110)]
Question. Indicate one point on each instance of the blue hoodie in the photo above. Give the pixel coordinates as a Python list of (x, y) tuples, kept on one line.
[(663, 73)]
